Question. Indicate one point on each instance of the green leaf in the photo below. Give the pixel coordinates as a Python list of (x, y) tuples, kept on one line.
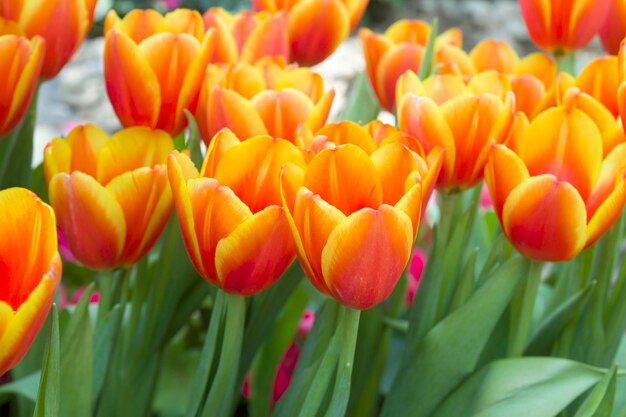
[(451, 350), (77, 361), (26, 387), (429, 53), (362, 106), (48, 399), (521, 387), (551, 327), (193, 140), (105, 337), (599, 402)]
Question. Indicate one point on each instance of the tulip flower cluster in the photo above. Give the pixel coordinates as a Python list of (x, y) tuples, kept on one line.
[(228, 205)]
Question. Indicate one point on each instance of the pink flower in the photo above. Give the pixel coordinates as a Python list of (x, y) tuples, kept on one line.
[(416, 267)]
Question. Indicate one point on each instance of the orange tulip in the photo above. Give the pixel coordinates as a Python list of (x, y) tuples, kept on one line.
[(30, 270), (247, 36), (399, 49), (613, 30), (355, 217), (316, 27), (141, 24), (110, 195), (265, 99), (557, 25), (550, 205), (230, 214), (20, 64), (490, 54), (463, 124), (151, 82), (600, 79), (63, 24), (540, 66)]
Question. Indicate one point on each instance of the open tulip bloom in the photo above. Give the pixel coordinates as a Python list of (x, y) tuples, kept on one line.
[(467, 261)]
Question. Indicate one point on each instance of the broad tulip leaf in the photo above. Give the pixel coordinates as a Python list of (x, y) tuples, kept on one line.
[(48, 399), (193, 140), (26, 387), (426, 69), (599, 402), (362, 106), (451, 350), (521, 387)]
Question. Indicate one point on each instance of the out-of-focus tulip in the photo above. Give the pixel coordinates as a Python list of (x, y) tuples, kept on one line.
[(247, 36), (491, 54), (151, 82), (556, 25), (600, 79), (30, 270), (230, 214), (540, 66), (613, 30), (141, 24), (265, 99), (414, 273), (20, 64), (550, 205), (110, 195), (63, 24), (316, 27), (463, 124), (355, 217), (400, 48)]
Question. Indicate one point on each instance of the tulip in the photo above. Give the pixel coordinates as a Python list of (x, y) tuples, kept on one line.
[(265, 99), (230, 213), (141, 24), (247, 36), (355, 217), (549, 204), (20, 65), (30, 271), (463, 125), (110, 195), (151, 82), (63, 24), (399, 49), (540, 66), (560, 26), (600, 79), (491, 54), (316, 27), (613, 30)]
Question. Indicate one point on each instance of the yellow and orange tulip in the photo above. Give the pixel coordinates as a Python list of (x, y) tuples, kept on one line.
[(247, 36), (355, 217), (556, 25), (141, 24), (461, 119), (491, 54), (600, 79), (30, 270), (401, 48), (316, 27), (63, 24), (230, 213), (151, 82), (613, 30), (110, 194), (20, 65), (265, 99), (550, 205)]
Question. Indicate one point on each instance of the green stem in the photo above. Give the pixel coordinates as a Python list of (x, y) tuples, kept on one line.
[(223, 388), (341, 392), (565, 61), (522, 310)]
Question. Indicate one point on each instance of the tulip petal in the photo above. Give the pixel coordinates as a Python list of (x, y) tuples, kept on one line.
[(220, 143), (608, 212), (374, 47), (79, 200), (600, 79), (394, 163), (146, 200), (491, 54), (366, 254), (226, 108), (269, 38), (411, 204), (319, 113), (503, 173), (612, 168), (348, 132), (345, 178), (396, 61), (409, 30), (137, 24), (256, 253), (132, 86), (545, 219), (282, 111)]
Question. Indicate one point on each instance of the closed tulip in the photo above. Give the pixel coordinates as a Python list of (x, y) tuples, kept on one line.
[(550, 205), (265, 99), (463, 124), (142, 82), (30, 271), (491, 54), (230, 213), (110, 194), (20, 64), (600, 79), (63, 24), (247, 36), (355, 217), (401, 48), (141, 24), (556, 25)]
